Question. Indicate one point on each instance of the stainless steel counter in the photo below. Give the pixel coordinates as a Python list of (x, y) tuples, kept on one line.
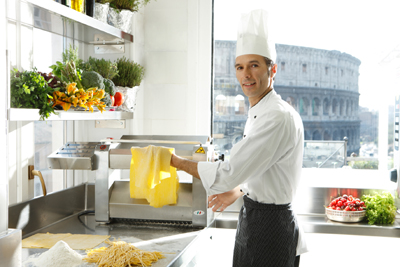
[(319, 223), (184, 245), (171, 240)]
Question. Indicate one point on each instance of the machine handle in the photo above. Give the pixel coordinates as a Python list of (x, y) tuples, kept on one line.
[(32, 173), (152, 141)]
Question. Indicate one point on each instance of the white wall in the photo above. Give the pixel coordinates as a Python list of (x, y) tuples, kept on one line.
[(3, 120), (172, 40), (175, 99)]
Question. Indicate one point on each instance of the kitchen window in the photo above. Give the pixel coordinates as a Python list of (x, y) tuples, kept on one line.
[(30, 142), (333, 105)]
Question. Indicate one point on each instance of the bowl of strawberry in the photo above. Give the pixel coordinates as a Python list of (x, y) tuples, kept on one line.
[(346, 208)]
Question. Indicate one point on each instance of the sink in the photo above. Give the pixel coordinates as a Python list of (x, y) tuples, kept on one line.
[(227, 220)]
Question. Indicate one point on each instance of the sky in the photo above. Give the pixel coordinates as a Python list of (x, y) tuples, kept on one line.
[(368, 30)]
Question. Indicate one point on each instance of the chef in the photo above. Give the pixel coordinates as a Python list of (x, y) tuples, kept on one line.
[(265, 166)]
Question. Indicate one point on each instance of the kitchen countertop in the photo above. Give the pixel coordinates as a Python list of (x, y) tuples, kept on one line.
[(188, 246), (319, 223), (169, 239)]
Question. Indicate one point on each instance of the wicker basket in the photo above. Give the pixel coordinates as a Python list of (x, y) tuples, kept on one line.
[(345, 216)]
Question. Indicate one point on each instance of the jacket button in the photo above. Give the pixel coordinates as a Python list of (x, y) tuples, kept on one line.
[(255, 116), (244, 136), (247, 194)]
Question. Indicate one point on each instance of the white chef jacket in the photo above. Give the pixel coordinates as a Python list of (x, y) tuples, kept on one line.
[(267, 162)]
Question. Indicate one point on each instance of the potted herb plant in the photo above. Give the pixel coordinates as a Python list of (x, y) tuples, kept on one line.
[(130, 76), (101, 8), (106, 68), (121, 12)]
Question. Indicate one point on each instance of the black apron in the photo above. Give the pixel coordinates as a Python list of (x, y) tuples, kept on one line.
[(266, 235)]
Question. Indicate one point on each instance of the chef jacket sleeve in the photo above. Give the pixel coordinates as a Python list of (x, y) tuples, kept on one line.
[(263, 146)]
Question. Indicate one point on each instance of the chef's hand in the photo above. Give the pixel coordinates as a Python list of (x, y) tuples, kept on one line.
[(222, 201)]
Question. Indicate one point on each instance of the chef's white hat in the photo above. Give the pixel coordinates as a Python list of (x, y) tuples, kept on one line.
[(254, 36)]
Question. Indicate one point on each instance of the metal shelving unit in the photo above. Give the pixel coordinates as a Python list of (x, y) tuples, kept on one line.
[(52, 13), (58, 19), (26, 114)]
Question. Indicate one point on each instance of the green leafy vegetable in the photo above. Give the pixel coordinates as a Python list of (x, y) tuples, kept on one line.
[(109, 86), (107, 100), (92, 79), (30, 90), (71, 55), (67, 73), (106, 68), (380, 208)]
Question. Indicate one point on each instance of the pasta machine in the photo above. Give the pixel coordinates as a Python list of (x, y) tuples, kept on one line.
[(112, 196)]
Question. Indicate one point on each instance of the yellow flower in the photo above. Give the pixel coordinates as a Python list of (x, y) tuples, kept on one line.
[(101, 107), (66, 106), (71, 88), (99, 94), (74, 100)]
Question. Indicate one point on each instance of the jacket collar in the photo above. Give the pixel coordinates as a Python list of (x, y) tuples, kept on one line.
[(257, 107)]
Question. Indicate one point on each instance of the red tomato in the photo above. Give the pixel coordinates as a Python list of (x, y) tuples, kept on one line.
[(112, 100), (339, 203), (118, 99)]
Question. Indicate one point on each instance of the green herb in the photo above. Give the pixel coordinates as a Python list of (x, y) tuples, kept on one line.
[(30, 90), (71, 55), (67, 73), (132, 5), (130, 74), (363, 164), (103, 1), (105, 68), (380, 208)]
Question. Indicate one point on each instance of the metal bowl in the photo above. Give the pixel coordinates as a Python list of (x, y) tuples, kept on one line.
[(345, 216)]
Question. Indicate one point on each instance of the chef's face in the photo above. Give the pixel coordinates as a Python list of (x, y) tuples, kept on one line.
[(255, 76)]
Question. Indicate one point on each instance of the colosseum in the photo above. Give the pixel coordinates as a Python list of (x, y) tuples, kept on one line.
[(322, 85)]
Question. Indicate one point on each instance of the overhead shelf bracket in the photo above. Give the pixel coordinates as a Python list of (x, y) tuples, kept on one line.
[(108, 45)]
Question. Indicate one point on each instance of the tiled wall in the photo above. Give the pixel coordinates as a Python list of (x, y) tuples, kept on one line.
[(175, 97)]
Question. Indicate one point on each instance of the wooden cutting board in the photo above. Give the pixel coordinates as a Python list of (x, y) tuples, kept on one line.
[(75, 241)]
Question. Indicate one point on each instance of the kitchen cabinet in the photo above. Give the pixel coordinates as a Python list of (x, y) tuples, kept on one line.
[(97, 37)]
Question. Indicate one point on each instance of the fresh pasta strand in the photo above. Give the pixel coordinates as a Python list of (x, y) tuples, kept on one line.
[(121, 254)]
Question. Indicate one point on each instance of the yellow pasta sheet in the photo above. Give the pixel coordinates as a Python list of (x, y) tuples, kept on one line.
[(75, 241), (152, 177)]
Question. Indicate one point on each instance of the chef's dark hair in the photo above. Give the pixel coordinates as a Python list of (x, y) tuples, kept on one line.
[(269, 63)]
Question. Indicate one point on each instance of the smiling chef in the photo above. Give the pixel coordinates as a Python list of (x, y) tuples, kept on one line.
[(265, 166)]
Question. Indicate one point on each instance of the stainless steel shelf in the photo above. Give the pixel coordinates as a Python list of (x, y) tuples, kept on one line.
[(26, 114), (47, 16)]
